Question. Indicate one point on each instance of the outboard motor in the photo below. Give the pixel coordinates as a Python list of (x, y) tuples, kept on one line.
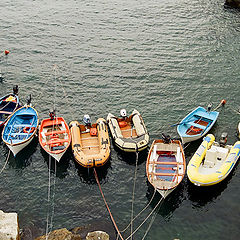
[(223, 139), (87, 120), (209, 107), (52, 114), (15, 90), (29, 99), (123, 113), (166, 138)]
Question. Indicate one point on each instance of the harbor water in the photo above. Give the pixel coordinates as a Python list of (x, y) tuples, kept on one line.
[(163, 58)]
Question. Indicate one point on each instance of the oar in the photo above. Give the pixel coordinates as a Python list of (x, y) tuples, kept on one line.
[(176, 124)]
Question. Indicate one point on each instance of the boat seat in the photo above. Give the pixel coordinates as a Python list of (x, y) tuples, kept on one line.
[(50, 142), (90, 146), (210, 158), (197, 125), (55, 132)]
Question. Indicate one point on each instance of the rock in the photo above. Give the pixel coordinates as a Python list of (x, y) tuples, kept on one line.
[(9, 229), (97, 235), (233, 3), (60, 234)]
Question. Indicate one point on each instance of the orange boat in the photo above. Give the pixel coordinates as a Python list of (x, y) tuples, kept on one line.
[(90, 142), (54, 136)]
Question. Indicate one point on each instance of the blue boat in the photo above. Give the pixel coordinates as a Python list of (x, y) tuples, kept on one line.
[(20, 128), (8, 105), (196, 124)]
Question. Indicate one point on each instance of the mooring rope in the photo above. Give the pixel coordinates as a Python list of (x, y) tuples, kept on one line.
[(133, 192), (152, 220), (5, 164), (145, 219), (111, 216), (49, 191)]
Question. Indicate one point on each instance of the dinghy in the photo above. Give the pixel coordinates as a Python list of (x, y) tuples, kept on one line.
[(8, 105), (129, 133), (165, 165), (196, 124), (54, 136), (20, 129), (212, 162), (90, 142)]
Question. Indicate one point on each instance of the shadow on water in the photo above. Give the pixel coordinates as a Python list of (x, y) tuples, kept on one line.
[(24, 158), (86, 175), (200, 196), (130, 157), (170, 203), (61, 167)]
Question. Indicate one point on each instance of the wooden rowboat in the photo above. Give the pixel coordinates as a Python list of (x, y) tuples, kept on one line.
[(54, 136), (8, 105), (90, 143), (165, 165), (129, 133), (196, 124), (20, 128)]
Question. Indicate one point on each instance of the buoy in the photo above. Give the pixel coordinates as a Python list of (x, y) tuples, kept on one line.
[(223, 102), (6, 52)]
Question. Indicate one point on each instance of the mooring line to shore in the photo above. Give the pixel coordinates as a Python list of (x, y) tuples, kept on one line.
[(145, 219), (111, 216), (5, 164)]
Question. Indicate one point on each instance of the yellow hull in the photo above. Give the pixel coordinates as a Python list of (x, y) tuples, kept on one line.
[(90, 150), (209, 173)]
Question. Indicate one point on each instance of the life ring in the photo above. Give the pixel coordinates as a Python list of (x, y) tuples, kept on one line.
[(26, 129), (122, 124), (195, 129)]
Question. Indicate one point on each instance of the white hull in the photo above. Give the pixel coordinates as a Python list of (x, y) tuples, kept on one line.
[(57, 156), (15, 149), (165, 193)]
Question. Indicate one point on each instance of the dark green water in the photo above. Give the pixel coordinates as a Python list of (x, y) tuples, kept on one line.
[(163, 58)]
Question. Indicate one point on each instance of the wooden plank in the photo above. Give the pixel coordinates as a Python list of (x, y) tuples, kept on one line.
[(166, 174)]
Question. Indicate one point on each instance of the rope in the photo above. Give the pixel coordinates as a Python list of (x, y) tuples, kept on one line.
[(49, 191), (145, 219), (111, 216), (133, 193), (5, 164), (152, 221), (141, 210)]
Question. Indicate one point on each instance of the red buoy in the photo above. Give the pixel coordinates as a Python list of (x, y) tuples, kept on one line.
[(7, 52), (223, 102)]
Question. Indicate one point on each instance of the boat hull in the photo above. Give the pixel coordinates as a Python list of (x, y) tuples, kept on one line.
[(90, 146), (54, 137), (196, 124), (211, 163), (165, 166), (132, 136)]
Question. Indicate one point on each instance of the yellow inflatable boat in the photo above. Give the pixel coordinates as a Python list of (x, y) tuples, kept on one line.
[(212, 162), (90, 143)]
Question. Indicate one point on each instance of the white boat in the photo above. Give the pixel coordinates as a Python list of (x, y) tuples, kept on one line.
[(129, 133), (165, 165)]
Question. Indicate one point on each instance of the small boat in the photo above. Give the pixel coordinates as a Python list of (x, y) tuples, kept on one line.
[(129, 133), (8, 105), (196, 124), (54, 136), (90, 142), (213, 161), (20, 128), (165, 165)]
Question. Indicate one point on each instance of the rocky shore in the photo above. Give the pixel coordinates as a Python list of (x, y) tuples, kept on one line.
[(9, 230)]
